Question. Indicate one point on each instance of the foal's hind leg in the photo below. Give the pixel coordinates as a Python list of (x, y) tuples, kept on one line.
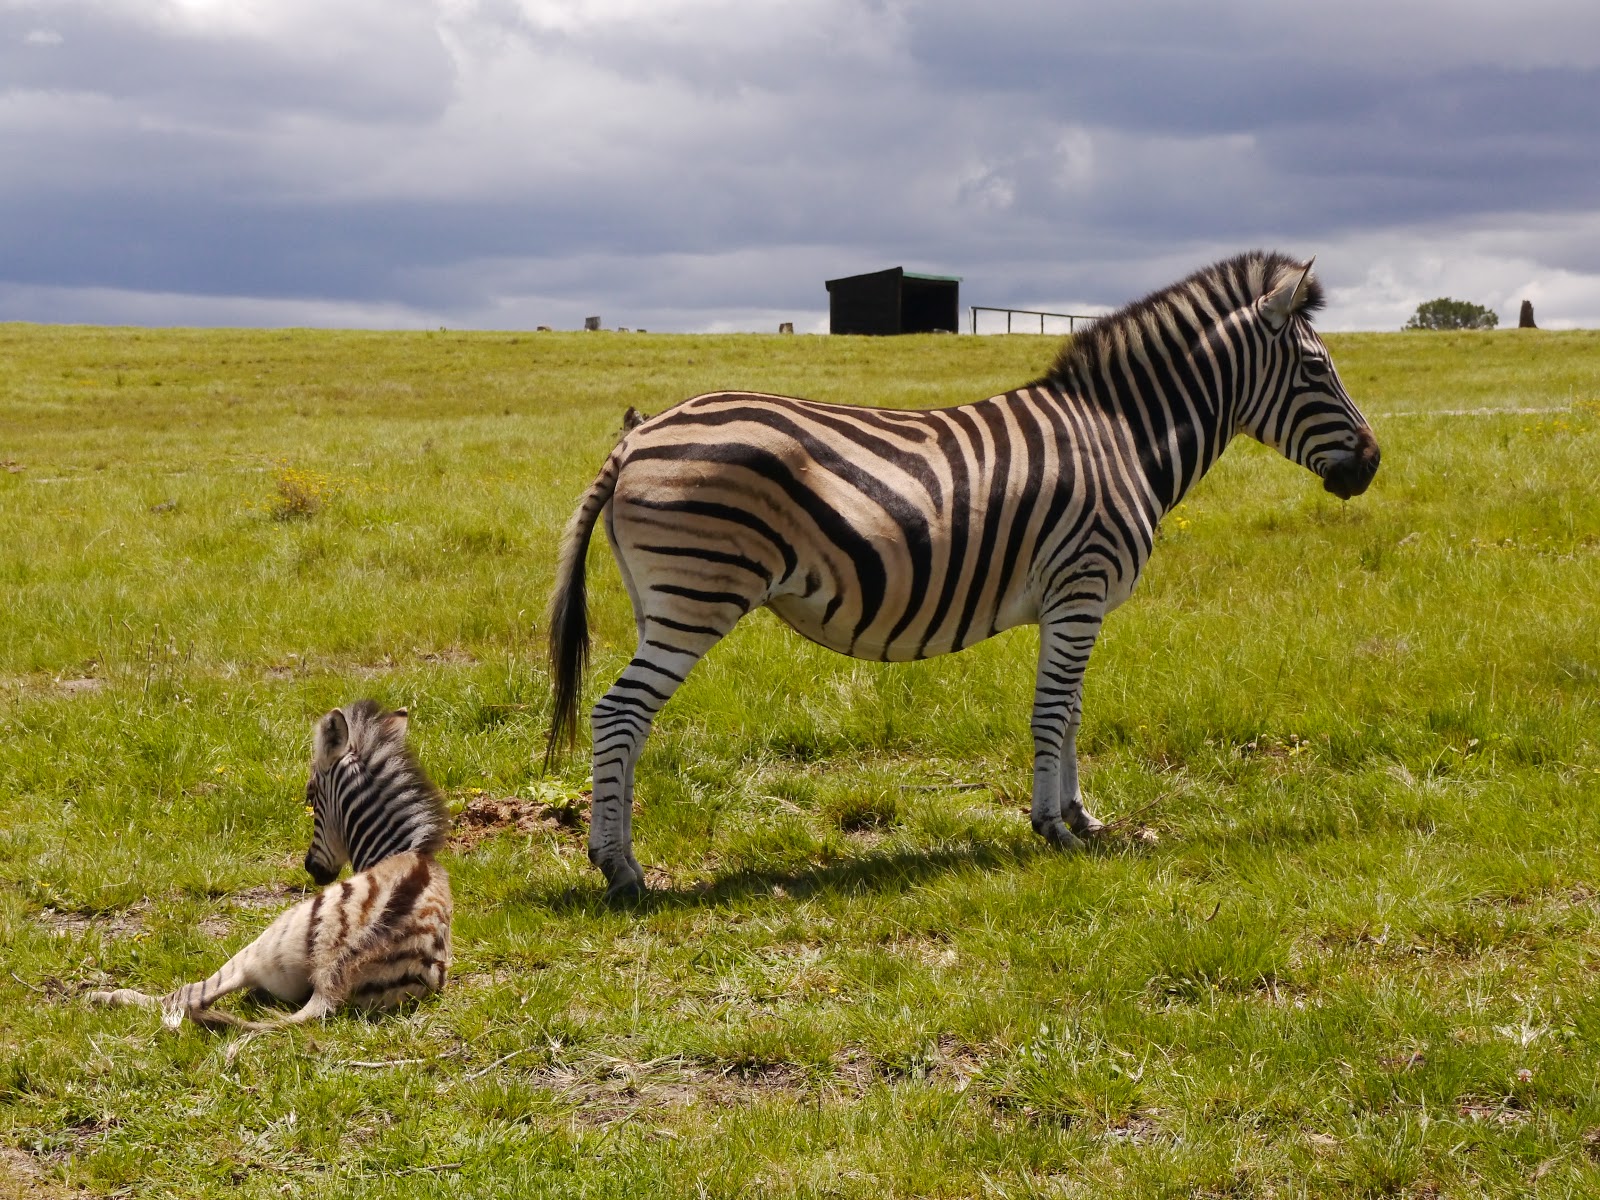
[(275, 962), (123, 997), (669, 646), (191, 1000)]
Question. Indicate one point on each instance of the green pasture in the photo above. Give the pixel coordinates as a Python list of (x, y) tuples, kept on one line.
[(1343, 937)]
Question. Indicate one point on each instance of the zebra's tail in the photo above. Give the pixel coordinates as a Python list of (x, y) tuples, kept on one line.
[(569, 616)]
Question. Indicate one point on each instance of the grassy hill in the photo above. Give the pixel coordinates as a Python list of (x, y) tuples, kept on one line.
[(1343, 939)]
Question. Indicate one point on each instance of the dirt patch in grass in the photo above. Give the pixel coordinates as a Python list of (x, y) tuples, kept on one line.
[(252, 905), (267, 896), (931, 950), (1496, 1112), (71, 687), (450, 657), (84, 686), (606, 1091), (1138, 1130), (118, 923), (484, 816), (21, 1178), (296, 667)]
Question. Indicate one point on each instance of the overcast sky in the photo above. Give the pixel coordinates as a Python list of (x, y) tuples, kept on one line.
[(707, 164)]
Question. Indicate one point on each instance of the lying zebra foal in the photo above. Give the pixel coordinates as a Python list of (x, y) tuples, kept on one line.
[(380, 937)]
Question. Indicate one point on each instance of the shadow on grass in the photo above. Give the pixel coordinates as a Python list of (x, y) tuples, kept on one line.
[(875, 872)]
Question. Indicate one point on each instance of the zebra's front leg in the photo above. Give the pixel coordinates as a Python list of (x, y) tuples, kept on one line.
[(1059, 815), (1079, 819)]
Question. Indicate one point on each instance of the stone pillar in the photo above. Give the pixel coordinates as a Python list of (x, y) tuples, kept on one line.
[(1525, 319)]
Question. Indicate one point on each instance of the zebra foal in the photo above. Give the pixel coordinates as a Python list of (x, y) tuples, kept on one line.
[(898, 535), (377, 939)]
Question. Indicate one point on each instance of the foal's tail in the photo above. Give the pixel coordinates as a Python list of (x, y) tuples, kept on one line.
[(569, 617)]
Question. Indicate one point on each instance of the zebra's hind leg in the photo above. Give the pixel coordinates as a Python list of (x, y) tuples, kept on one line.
[(668, 649)]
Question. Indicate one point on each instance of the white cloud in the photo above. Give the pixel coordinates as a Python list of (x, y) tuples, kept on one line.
[(1376, 280)]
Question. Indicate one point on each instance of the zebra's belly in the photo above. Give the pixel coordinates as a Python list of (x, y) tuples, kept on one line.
[(807, 617)]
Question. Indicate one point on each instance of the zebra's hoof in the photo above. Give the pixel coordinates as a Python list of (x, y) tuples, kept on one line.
[(628, 891), (1057, 834)]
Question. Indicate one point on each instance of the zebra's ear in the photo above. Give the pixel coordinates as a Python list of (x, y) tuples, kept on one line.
[(397, 722), (330, 739), (1292, 291)]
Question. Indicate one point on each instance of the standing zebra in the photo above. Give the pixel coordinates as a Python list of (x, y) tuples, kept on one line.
[(898, 535), (380, 937)]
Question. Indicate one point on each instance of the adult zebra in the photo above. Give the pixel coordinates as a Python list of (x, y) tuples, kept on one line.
[(899, 535)]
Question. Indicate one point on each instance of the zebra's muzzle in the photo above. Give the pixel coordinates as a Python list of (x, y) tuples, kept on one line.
[(320, 875), (1350, 476)]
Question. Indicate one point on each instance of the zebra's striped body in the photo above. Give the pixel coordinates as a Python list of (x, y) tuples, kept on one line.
[(380, 937), (899, 535)]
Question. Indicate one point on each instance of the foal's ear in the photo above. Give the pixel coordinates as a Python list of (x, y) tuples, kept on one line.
[(397, 722), (330, 739), (1291, 292)]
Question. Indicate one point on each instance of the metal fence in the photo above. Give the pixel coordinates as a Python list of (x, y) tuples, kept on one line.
[(1071, 319)]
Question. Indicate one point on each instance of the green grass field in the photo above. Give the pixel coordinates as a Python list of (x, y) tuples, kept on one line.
[(1344, 938)]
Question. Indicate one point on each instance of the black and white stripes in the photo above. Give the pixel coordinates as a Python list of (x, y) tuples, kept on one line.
[(374, 940), (898, 535), (368, 796)]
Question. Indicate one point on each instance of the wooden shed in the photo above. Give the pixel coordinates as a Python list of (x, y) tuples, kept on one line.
[(894, 301)]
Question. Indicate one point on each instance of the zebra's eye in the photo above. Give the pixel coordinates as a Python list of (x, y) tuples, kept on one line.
[(1314, 368)]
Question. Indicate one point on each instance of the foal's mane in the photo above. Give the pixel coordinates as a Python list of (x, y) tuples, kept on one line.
[(413, 798)]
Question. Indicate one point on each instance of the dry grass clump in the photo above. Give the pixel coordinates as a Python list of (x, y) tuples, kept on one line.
[(298, 494)]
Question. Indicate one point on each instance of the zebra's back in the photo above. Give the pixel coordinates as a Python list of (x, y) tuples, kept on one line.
[(879, 533)]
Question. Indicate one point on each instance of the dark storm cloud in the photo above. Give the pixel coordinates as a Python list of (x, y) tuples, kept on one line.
[(1185, 70), (1339, 141), (392, 69)]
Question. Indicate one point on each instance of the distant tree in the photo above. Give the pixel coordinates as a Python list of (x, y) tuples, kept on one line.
[(1445, 313)]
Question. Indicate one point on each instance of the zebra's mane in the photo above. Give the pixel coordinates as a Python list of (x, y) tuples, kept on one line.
[(1223, 287), (380, 745)]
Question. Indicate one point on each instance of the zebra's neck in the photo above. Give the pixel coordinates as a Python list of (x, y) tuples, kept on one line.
[(1169, 417)]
